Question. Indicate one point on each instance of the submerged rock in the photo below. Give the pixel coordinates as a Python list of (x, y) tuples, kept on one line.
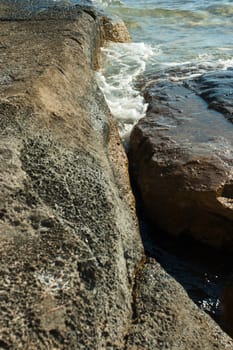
[(217, 89), (182, 158)]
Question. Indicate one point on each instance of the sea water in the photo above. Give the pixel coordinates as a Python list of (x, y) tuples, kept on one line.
[(171, 39)]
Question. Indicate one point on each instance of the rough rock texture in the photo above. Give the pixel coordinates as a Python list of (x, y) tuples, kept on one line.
[(115, 30), (182, 156), (165, 318), (69, 238), (70, 249)]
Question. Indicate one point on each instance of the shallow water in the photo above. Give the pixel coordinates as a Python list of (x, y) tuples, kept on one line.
[(203, 272), (181, 39)]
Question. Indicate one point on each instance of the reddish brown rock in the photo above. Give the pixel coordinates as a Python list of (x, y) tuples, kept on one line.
[(182, 157)]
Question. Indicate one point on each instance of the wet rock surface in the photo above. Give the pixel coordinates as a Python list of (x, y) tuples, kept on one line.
[(217, 89), (181, 155), (73, 271)]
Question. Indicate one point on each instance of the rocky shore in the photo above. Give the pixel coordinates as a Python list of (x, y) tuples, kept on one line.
[(181, 155), (73, 271)]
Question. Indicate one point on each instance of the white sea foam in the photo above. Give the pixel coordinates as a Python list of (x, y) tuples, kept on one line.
[(178, 71), (121, 65), (106, 3), (183, 53)]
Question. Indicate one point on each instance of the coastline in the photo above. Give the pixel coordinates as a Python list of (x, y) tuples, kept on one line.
[(73, 266)]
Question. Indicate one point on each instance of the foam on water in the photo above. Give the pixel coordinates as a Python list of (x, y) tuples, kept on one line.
[(106, 3), (172, 41), (176, 71), (121, 65)]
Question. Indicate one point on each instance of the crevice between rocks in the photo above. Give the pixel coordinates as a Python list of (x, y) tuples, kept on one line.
[(134, 318)]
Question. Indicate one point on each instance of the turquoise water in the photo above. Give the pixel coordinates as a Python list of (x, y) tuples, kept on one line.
[(183, 31), (170, 40)]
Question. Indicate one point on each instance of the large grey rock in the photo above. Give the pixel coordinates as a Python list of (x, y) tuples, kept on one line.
[(69, 237), (182, 158)]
